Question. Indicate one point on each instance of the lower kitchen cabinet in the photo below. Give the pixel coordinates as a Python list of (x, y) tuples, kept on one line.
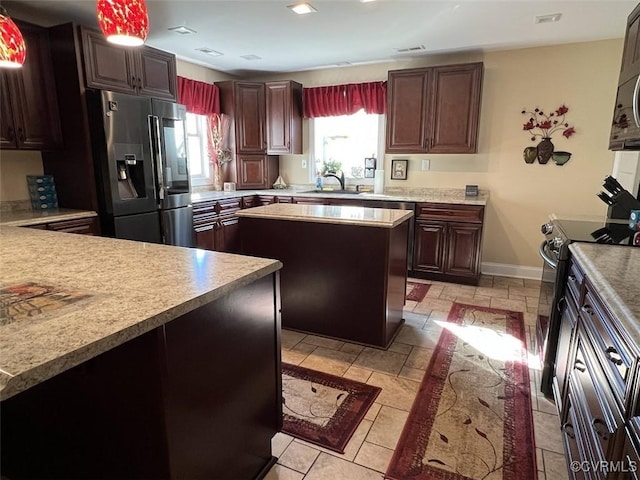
[(84, 226), (215, 225), (448, 250)]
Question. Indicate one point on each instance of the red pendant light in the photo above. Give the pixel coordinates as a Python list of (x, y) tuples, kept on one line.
[(124, 22), (13, 51)]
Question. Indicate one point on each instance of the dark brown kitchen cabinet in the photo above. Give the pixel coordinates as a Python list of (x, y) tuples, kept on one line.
[(284, 117), (83, 226), (215, 224), (138, 71), (256, 171), (434, 110), (448, 241), (630, 66), (29, 117)]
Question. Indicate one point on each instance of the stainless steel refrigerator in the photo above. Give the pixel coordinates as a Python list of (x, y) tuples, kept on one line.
[(142, 170)]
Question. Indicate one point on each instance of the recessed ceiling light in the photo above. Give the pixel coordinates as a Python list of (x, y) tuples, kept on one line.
[(302, 8), (209, 51), (181, 29), (367, 1), (410, 49), (550, 18), (251, 57)]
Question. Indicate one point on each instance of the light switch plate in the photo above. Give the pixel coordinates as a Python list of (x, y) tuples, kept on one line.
[(304, 163), (426, 164)]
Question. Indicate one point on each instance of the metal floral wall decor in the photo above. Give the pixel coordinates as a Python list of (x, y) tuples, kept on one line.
[(544, 126)]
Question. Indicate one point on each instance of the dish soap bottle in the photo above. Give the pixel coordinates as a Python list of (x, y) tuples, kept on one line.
[(318, 182)]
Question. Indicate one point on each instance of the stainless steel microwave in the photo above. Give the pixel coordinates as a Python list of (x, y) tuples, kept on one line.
[(625, 128)]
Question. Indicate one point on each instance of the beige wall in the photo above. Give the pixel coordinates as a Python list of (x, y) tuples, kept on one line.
[(583, 76), (14, 166), (197, 72)]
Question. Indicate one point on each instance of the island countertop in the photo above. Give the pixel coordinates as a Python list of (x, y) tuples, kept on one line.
[(343, 215), (124, 288), (25, 218)]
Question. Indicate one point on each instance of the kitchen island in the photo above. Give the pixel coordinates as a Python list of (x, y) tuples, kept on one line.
[(124, 359), (345, 268)]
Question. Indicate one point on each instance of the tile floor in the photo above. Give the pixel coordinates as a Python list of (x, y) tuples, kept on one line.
[(398, 371)]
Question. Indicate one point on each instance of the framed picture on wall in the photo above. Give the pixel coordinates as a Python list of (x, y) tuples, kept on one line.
[(399, 169)]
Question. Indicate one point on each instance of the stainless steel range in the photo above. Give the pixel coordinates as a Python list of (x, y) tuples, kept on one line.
[(554, 250)]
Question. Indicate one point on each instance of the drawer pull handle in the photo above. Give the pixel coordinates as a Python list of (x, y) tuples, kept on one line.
[(580, 366), (601, 429), (567, 428), (614, 356), (572, 278), (588, 310)]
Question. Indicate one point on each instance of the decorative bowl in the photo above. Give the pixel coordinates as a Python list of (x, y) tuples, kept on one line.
[(561, 157)]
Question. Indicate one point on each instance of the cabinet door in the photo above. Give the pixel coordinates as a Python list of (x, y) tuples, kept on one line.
[(284, 117), (156, 73), (464, 249), (252, 171), (250, 119), (429, 247), (83, 226), (33, 95), (228, 235), (108, 66), (407, 107), (630, 66), (204, 235), (7, 128), (455, 108), (564, 354)]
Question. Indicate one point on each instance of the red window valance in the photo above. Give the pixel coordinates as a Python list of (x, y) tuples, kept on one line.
[(346, 99), (199, 97)]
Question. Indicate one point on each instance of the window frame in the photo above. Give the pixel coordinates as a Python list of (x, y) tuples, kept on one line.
[(207, 178)]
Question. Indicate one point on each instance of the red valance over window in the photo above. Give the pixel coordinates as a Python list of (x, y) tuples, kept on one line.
[(199, 97), (347, 99)]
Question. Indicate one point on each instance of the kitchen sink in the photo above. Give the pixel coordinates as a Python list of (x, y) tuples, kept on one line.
[(324, 192)]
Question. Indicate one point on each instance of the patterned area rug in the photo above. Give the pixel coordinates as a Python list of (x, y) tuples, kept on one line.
[(323, 409), (471, 418), (417, 291)]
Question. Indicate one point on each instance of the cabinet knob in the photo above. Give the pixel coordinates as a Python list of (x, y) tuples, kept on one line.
[(601, 428), (588, 310), (21, 136), (580, 366), (613, 356), (139, 82), (568, 429)]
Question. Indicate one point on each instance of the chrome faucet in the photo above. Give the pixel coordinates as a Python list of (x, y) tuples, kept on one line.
[(339, 178)]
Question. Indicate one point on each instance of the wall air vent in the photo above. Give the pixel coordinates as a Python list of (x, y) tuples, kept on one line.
[(182, 30), (550, 18), (410, 49), (251, 57)]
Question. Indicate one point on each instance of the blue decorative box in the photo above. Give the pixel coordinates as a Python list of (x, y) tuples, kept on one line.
[(40, 180), (42, 192)]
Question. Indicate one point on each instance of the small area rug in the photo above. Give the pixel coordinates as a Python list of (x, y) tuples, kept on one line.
[(323, 409), (471, 418), (417, 291)]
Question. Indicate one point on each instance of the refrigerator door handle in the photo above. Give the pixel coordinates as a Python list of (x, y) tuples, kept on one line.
[(156, 152)]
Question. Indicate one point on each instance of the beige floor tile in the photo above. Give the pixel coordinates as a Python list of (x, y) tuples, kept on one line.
[(373, 411), (478, 300), (329, 361), (305, 348), (532, 310), (547, 432), (534, 397), (507, 282), (387, 428), (290, 338), (555, 465), (419, 338), (530, 318), (374, 457), (419, 358), (278, 472), (380, 360), (546, 405), (298, 457), (413, 319), (436, 318), (409, 305), (542, 476), (411, 373), (396, 392), (400, 348), (355, 442), (532, 283), (485, 281), (351, 348), (324, 342), (458, 290), (357, 373), (428, 305), (520, 298), (293, 357), (524, 291), (508, 304), (279, 443), (539, 459), (328, 467), (493, 292), (435, 291)]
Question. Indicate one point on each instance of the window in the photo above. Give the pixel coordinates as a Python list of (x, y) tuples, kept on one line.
[(348, 140), (197, 150)]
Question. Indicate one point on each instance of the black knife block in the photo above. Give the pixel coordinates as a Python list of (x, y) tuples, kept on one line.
[(623, 203)]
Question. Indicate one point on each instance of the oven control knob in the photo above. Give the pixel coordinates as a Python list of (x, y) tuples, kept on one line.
[(557, 243), (546, 228)]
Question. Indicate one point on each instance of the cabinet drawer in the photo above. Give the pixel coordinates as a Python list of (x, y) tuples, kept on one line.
[(574, 282), (462, 213), (280, 199), (205, 219), (269, 199), (252, 201), (573, 436), (204, 208), (613, 353), (228, 205)]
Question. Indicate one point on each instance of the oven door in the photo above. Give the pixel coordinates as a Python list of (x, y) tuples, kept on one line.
[(549, 313)]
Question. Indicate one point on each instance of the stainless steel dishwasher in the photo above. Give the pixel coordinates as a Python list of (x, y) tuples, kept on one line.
[(397, 205)]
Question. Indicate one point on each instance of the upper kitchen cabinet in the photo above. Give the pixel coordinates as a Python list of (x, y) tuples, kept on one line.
[(29, 117), (630, 66), (434, 110), (284, 117), (138, 71), (244, 104)]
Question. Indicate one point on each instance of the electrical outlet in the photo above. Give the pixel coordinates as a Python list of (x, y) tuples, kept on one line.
[(304, 163), (426, 164)]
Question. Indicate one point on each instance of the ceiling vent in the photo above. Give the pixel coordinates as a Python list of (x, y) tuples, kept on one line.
[(209, 51), (550, 18), (411, 49), (182, 30), (251, 57)]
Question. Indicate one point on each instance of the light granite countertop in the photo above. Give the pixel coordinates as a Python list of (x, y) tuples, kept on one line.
[(25, 218), (134, 287), (426, 195), (613, 271), (340, 215)]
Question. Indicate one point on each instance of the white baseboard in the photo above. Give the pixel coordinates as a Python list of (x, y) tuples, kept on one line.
[(507, 270)]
